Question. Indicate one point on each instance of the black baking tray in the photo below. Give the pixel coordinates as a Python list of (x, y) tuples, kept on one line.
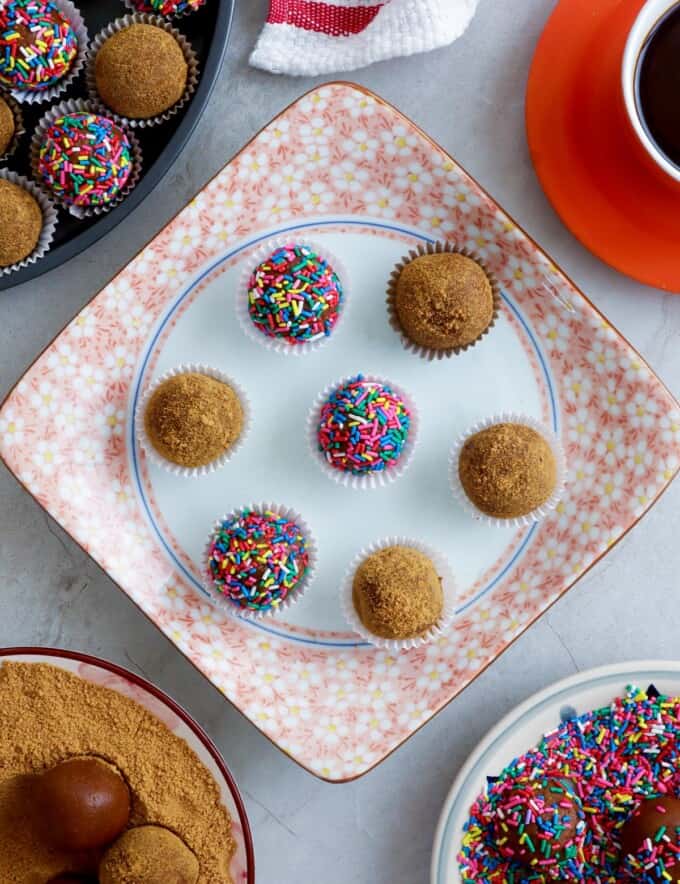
[(208, 31)]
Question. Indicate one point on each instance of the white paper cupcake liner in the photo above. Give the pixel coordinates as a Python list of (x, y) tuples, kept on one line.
[(75, 106), (223, 602), (449, 590), (19, 130), (169, 15), (49, 214), (535, 515), (71, 12), (434, 249), (191, 472), (278, 345), (367, 480), (140, 18)]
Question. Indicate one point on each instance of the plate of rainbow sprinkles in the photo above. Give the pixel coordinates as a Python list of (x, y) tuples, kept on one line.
[(606, 745)]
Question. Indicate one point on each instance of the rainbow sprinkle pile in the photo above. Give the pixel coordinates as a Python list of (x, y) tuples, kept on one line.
[(614, 758), (169, 7), (295, 295), (363, 427), (85, 159), (37, 45), (257, 559)]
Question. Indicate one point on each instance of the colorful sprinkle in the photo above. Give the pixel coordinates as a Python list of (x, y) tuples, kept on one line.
[(85, 160), (257, 559), (363, 427), (295, 295), (614, 757), (37, 45), (169, 7)]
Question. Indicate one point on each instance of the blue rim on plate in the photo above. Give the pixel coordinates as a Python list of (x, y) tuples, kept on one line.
[(578, 694)]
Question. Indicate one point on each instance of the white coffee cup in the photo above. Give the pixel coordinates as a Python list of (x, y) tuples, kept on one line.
[(649, 16)]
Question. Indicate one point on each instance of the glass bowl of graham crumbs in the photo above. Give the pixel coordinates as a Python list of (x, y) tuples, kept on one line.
[(66, 714)]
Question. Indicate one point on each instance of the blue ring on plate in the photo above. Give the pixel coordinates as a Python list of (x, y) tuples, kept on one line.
[(146, 355)]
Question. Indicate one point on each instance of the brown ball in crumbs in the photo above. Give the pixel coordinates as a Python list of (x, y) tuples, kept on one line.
[(507, 470), (7, 126), (141, 71), (191, 419), (397, 593), (444, 300), (149, 855), (21, 223)]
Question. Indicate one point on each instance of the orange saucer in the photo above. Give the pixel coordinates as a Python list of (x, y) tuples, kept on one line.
[(592, 169)]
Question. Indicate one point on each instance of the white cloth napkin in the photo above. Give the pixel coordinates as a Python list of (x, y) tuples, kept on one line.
[(308, 37)]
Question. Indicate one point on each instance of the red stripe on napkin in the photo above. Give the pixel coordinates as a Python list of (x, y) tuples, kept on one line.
[(315, 15)]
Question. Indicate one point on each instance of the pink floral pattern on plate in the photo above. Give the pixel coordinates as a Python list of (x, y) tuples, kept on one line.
[(339, 151)]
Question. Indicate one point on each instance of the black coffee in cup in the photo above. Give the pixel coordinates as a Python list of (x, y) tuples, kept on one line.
[(658, 85)]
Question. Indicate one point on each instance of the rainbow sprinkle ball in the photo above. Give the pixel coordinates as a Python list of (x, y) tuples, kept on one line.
[(295, 296), (258, 559), (168, 7), (38, 46), (363, 427), (85, 160)]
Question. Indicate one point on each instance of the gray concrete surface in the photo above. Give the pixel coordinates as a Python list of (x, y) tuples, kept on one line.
[(378, 830)]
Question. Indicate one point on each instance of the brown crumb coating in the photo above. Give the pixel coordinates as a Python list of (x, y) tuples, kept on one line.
[(397, 593), (507, 470), (141, 72), (444, 300), (191, 419), (21, 223), (149, 855), (7, 126)]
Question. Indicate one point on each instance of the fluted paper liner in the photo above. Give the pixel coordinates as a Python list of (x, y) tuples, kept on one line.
[(157, 458), (49, 214), (518, 521), (449, 590), (279, 345), (140, 18), (367, 480), (78, 106), (223, 602), (435, 249)]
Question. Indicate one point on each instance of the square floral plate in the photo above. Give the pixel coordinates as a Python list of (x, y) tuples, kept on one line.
[(343, 168), (523, 729)]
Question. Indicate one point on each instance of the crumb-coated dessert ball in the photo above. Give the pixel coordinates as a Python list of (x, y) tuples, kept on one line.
[(21, 223), (141, 71), (443, 301), (38, 45), (650, 841), (397, 593), (7, 126), (85, 159), (507, 470), (149, 855), (83, 802), (540, 824), (191, 419)]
